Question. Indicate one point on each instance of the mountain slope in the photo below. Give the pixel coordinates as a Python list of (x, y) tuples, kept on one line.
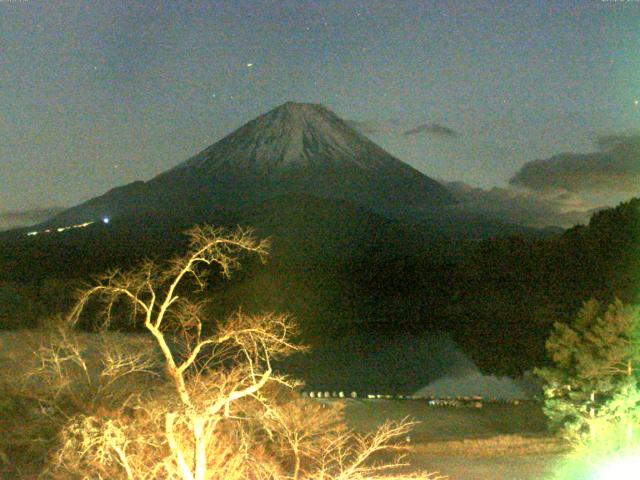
[(294, 148)]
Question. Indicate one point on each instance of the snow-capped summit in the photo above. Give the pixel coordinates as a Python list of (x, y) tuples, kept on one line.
[(293, 135), (295, 148)]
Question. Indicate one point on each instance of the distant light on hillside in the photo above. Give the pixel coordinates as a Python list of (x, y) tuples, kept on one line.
[(105, 220), (64, 229)]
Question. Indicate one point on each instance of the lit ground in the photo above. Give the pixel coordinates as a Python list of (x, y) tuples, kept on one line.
[(496, 442), (511, 467)]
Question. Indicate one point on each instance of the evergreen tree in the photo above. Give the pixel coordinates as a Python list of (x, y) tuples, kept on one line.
[(593, 382)]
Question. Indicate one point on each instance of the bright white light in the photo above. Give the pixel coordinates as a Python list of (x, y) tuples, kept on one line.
[(31, 234), (249, 64), (105, 220), (620, 469)]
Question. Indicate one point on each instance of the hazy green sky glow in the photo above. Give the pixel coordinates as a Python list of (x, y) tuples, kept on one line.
[(99, 93)]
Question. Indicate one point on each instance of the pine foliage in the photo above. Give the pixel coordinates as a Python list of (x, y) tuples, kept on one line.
[(594, 376)]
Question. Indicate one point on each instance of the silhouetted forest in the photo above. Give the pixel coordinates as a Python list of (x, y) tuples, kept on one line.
[(343, 271)]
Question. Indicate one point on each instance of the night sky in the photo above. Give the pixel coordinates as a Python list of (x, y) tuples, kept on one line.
[(539, 99)]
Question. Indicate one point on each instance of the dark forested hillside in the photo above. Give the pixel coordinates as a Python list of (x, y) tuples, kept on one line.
[(509, 291), (342, 270)]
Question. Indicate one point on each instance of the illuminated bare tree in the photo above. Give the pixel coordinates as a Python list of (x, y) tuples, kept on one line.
[(223, 415)]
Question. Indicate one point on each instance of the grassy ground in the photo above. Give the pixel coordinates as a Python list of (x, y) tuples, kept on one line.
[(495, 442), (512, 467), (503, 457), (449, 423)]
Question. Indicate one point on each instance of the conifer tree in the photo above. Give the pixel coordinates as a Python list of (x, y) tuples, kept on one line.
[(592, 384)]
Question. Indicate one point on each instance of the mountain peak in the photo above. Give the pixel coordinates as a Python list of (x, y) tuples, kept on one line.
[(291, 105), (291, 136)]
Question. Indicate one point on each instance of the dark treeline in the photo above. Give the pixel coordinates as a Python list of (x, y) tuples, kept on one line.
[(510, 291), (351, 274)]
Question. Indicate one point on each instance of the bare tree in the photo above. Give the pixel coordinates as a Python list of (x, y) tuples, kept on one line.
[(222, 415)]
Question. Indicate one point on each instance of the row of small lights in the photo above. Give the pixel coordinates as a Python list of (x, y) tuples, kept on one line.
[(33, 233)]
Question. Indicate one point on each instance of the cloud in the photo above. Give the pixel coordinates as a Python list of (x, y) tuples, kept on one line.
[(615, 166), (522, 207), (401, 129), (22, 218), (432, 128)]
